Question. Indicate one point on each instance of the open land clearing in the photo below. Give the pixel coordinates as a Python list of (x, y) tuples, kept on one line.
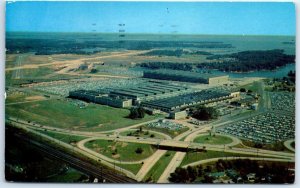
[(215, 139), (62, 114)]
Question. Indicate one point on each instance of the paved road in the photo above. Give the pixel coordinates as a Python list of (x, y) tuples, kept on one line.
[(101, 173), (75, 150), (234, 158), (175, 162), (180, 144), (149, 163)]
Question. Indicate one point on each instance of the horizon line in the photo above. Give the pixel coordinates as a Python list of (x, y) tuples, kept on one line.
[(88, 32)]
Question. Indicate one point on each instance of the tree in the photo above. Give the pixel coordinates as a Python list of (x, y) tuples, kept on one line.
[(207, 179), (93, 71), (139, 150), (141, 112), (133, 113), (242, 90), (136, 113), (192, 173), (200, 170), (179, 176), (205, 113)]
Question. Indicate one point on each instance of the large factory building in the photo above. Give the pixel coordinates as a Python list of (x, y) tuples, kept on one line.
[(185, 76), (156, 96), (100, 98), (189, 99), (127, 97)]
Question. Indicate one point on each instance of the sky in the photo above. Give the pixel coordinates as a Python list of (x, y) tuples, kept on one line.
[(253, 18)]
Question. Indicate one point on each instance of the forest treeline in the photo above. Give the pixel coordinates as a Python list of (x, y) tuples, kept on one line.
[(85, 46), (236, 62), (249, 61)]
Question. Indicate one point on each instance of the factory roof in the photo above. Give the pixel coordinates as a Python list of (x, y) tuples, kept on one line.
[(185, 73)]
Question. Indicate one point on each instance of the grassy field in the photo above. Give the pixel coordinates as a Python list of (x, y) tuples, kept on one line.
[(21, 96), (277, 146), (122, 151), (134, 168), (15, 97), (159, 167), (197, 156), (63, 137), (37, 73), (65, 114), (252, 86), (215, 140), (144, 134)]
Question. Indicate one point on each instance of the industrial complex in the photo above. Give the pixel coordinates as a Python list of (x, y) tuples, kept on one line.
[(156, 96)]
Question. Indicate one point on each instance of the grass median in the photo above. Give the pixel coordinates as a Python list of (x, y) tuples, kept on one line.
[(121, 151)]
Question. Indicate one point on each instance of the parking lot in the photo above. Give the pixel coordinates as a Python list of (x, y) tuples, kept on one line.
[(164, 124), (283, 101), (263, 128), (105, 84)]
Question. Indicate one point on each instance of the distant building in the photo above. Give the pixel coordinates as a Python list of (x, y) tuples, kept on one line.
[(254, 106), (100, 98), (155, 96), (178, 114), (185, 76), (150, 91), (176, 103)]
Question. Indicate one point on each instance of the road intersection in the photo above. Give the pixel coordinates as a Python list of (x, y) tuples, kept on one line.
[(183, 141)]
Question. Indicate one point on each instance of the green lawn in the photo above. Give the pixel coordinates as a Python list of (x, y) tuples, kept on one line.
[(122, 151), (65, 114), (16, 97), (144, 134), (134, 168), (63, 137), (215, 140), (159, 167), (276, 146), (36, 73), (252, 86), (197, 156)]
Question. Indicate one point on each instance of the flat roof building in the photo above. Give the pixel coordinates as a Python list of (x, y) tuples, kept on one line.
[(186, 76)]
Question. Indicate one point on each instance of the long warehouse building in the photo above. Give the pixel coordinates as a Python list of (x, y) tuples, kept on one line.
[(189, 99), (186, 76)]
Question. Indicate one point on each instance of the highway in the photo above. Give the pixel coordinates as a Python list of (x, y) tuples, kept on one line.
[(149, 162), (234, 158), (80, 164)]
